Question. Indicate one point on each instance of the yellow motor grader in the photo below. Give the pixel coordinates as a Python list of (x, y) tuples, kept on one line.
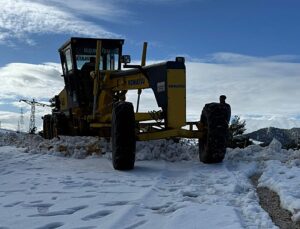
[(93, 102)]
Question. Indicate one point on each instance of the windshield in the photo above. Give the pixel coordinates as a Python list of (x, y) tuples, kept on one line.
[(109, 58)]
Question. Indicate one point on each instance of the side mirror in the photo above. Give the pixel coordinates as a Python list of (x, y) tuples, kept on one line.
[(180, 59), (126, 59)]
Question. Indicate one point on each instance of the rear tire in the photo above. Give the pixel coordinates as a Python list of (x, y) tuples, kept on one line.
[(47, 127), (123, 136), (212, 147), (60, 124)]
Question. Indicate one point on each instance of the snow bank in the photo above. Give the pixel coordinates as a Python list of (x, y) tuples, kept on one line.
[(21, 140), (285, 181), (82, 147), (280, 170), (262, 154), (77, 147)]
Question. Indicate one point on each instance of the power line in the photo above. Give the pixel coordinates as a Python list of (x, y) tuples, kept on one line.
[(33, 103)]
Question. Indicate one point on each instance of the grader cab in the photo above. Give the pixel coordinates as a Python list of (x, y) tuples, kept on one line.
[(93, 102)]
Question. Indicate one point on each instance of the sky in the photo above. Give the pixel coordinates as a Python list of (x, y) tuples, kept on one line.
[(247, 50)]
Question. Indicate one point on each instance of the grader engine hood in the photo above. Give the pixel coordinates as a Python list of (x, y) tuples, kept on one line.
[(168, 82)]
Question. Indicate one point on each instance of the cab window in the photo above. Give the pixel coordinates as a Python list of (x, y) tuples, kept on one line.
[(69, 65), (109, 59)]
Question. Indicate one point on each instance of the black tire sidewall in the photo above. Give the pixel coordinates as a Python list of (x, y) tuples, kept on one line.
[(123, 136), (212, 147)]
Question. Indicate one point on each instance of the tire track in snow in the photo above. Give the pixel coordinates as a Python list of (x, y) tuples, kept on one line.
[(175, 188), (245, 198), (270, 202)]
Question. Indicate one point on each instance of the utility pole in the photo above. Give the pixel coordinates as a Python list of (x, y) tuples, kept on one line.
[(22, 120), (33, 103), (32, 127)]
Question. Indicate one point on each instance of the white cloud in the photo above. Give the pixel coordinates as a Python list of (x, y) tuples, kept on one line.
[(257, 88), (280, 121), (20, 19), (235, 59), (9, 120), (21, 80), (27, 81), (101, 9)]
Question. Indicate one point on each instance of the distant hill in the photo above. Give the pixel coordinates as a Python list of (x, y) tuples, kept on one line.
[(6, 131), (287, 137)]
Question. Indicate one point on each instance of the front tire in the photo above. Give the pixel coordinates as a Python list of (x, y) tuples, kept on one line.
[(123, 136)]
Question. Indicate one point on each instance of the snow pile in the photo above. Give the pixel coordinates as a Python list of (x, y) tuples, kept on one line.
[(81, 147), (262, 154), (280, 169), (4, 131), (167, 150), (21, 140), (284, 179), (77, 147)]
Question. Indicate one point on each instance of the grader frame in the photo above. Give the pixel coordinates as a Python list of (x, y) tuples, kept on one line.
[(93, 101)]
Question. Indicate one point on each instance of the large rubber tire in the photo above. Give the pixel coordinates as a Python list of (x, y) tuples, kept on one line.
[(60, 124), (47, 127), (212, 147), (123, 136)]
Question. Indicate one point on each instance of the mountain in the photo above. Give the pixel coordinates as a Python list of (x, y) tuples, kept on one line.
[(287, 137)]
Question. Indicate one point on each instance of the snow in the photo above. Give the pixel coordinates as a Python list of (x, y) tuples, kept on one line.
[(283, 179), (70, 183)]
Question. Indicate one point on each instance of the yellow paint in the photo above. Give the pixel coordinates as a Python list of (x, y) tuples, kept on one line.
[(100, 125), (147, 116), (136, 81), (109, 86), (169, 134), (176, 88), (63, 98)]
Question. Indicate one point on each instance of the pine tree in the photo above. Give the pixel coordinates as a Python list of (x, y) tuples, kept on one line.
[(236, 131), (237, 127)]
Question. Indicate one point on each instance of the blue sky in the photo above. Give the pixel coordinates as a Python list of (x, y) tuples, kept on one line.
[(247, 49), (195, 28)]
